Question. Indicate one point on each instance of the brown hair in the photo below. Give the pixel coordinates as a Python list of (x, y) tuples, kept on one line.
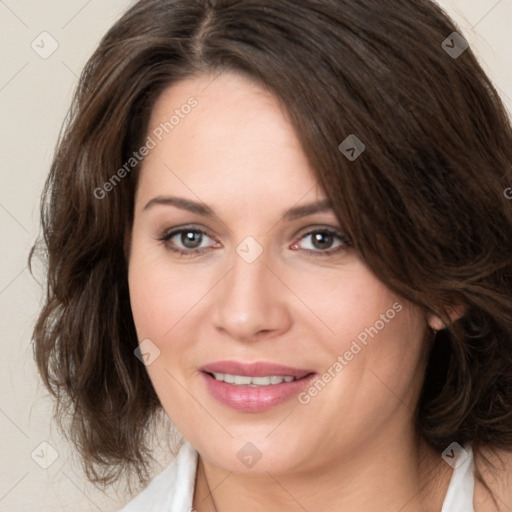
[(424, 204)]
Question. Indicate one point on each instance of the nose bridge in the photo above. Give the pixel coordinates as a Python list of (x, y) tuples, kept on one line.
[(249, 300)]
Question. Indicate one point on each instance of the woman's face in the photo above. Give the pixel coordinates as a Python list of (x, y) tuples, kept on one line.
[(260, 285)]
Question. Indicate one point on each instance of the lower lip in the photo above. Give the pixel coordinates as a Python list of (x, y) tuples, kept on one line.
[(255, 399)]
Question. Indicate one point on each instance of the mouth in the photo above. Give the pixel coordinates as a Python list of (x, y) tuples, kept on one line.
[(254, 387), (251, 381), (254, 369)]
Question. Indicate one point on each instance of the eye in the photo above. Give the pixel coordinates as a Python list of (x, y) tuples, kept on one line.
[(187, 241), (192, 240), (323, 242)]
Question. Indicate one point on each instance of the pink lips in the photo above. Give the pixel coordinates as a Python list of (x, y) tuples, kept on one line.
[(260, 369), (254, 399)]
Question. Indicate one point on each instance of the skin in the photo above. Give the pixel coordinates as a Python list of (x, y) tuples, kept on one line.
[(353, 446)]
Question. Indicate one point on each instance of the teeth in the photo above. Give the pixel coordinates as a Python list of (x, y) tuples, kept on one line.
[(243, 380)]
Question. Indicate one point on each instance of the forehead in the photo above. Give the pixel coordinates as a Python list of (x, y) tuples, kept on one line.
[(225, 137)]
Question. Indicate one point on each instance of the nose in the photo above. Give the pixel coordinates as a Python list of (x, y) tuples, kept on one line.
[(251, 302)]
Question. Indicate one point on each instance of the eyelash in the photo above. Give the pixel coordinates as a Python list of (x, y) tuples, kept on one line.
[(346, 242)]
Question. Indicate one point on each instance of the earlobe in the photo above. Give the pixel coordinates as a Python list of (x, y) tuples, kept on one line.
[(435, 322)]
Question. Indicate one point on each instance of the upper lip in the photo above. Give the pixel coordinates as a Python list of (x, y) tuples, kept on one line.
[(256, 369)]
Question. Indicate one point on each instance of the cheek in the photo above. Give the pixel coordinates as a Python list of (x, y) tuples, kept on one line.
[(348, 303), (162, 294), (164, 300), (376, 330), (370, 335)]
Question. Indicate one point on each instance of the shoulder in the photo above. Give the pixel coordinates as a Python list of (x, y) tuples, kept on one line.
[(171, 489), (498, 478)]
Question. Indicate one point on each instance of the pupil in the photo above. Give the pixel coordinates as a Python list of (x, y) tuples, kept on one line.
[(322, 240), (190, 238)]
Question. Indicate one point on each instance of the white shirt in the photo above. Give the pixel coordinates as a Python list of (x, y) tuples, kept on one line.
[(172, 490)]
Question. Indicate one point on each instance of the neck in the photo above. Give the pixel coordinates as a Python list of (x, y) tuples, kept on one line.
[(377, 476)]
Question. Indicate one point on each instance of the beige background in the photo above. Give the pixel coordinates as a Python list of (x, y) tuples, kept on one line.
[(34, 97)]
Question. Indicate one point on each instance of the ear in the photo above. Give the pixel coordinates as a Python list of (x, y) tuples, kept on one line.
[(455, 312)]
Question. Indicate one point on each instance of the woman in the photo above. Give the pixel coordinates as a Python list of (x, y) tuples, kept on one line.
[(286, 225)]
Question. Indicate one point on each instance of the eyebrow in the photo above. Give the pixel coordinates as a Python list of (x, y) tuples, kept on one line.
[(294, 213)]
